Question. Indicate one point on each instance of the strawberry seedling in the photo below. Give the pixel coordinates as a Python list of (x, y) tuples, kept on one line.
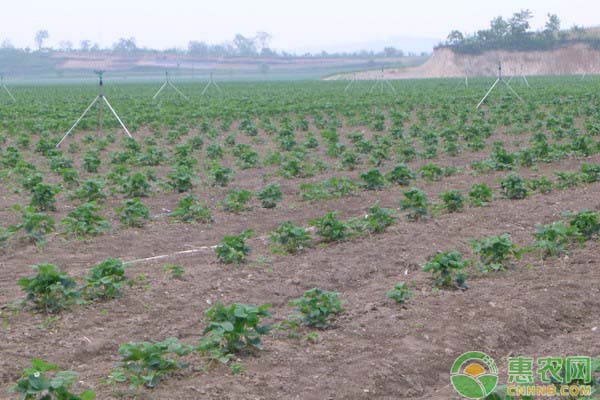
[(233, 329), (290, 238), (147, 363), (495, 252), (233, 249), (446, 268), (415, 203), (190, 209), (106, 280), (44, 381), (318, 308), (51, 290), (330, 228)]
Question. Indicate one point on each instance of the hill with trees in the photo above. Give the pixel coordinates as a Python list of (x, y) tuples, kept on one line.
[(515, 34)]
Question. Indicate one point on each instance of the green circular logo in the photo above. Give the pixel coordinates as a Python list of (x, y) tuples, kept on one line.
[(474, 375)]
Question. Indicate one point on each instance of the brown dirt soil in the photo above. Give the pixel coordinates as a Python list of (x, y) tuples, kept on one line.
[(377, 349), (444, 63)]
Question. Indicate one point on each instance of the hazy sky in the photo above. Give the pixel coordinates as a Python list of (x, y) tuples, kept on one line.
[(301, 24)]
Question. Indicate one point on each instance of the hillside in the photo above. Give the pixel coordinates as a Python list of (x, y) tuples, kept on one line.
[(445, 63)]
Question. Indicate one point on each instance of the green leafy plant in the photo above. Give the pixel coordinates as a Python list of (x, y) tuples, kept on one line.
[(36, 226), (106, 279), (446, 268), (373, 179), (181, 179), (137, 185), (415, 203), (400, 293), (233, 329), (233, 249), (133, 213), (318, 308), (453, 201), (270, 195), (495, 252), (90, 190), (291, 238), (330, 228), (50, 290), (44, 197), (190, 209), (480, 195), (542, 185), (85, 220), (401, 175), (513, 187), (91, 161), (587, 223), (237, 200), (590, 172), (552, 239), (220, 176), (176, 271), (431, 172), (147, 363), (376, 220), (44, 381), (567, 179)]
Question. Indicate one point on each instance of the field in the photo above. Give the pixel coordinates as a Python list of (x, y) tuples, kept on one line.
[(486, 222)]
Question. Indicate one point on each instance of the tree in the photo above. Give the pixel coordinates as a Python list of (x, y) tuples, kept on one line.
[(519, 23), (454, 37), (499, 27), (392, 52), (244, 46), (7, 45), (198, 48), (65, 45), (85, 45), (263, 39), (552, 25), (125, 45), (40, 36)]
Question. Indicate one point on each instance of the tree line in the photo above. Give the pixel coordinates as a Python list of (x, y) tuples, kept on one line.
[(241, 46), (515, 34)]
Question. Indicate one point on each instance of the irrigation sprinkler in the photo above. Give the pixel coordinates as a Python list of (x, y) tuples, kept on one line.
[(522, 76), (101, 100), (381, 83), (3, 85), (211, 82), (169, 83), (499, 79), (350, 84)]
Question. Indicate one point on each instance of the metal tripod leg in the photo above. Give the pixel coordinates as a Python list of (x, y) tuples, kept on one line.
[(374, 86), (117, 117), (211, 82), (488, 93), (9, 93), (77, 122), (526, 81), (159, 90), (349, 85), (178, 91), (391, 86), (513, 91)]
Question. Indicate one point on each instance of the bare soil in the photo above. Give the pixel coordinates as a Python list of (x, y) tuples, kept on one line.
[(377, 349)]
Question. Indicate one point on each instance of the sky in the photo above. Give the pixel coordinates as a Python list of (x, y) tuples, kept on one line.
[(297, 26)]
